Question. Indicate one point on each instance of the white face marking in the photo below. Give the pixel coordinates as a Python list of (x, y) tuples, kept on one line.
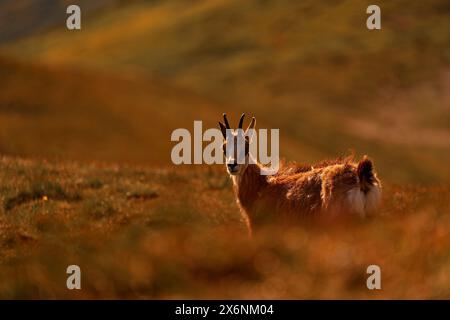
[(235, 156)]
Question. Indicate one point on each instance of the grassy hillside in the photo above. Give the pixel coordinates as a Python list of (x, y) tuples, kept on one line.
[(48, 111), (310, 68), (24, 18), (67, 113), (138, 232)]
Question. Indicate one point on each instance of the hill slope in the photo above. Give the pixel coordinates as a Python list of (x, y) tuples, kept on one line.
[(61, 112), (311, 69)]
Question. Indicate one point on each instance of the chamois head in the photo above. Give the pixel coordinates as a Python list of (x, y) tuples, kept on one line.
[(236, 145)]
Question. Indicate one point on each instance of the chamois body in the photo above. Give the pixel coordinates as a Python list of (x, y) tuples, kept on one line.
[(296, 192), (325, 190)]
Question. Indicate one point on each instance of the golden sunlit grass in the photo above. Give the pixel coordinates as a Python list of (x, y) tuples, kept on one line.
[(176, 233)]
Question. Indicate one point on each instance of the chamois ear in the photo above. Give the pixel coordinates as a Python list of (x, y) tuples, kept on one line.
[(223, 129), (250, 129)]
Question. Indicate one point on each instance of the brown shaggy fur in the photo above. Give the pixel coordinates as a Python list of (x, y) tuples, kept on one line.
[(297, 192)]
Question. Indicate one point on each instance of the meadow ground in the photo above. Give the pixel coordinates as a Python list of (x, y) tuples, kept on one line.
[(141, 232)]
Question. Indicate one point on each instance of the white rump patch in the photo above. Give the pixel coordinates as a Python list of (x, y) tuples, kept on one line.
[(373, 198), (356, 201), (364, 203)]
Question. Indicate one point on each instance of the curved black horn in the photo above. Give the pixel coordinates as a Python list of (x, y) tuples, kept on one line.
[(226, 121), (241, 121), (251, 126)]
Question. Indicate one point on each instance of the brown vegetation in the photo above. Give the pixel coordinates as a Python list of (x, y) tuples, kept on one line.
[(192, 243)]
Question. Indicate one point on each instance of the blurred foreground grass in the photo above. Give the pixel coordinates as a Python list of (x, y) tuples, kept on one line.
[(138, 232)]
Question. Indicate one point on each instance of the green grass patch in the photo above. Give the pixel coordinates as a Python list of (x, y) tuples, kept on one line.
[(45, 190)]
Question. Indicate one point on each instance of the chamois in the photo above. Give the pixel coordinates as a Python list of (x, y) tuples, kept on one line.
[(328, 189)]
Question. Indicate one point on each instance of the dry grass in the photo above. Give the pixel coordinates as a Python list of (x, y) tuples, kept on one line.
[(186, 240)]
